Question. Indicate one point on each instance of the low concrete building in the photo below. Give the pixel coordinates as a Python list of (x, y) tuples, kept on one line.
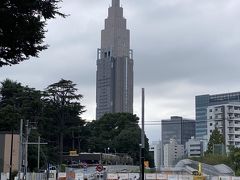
[(5, 151), (172, 152), (194, 147)]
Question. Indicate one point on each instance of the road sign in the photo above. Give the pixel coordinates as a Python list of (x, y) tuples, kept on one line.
[(146, 164), (99, 167), (73, 153)]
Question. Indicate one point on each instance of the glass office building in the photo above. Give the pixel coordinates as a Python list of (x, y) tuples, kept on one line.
[(177, 128), (201, 104)]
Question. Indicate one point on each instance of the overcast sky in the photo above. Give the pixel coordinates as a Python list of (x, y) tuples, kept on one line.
[(182, 48)]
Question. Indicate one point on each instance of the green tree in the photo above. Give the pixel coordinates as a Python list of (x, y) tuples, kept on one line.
[(62, 113), (128, 141), (56, 113), (215, 138), (119, 132), (213, 159), (234, 157), (22, 28), (18, 102)]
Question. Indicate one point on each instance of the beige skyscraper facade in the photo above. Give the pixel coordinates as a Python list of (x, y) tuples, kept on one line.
[(114, 83)]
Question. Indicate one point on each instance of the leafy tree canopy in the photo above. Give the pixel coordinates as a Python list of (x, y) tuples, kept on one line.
[(62, 112), (22, 28), (234, 157), (118, 132), (57, 113), (18, 102), (215, 138)]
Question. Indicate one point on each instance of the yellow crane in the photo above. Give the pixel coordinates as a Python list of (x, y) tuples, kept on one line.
[(198, 175)]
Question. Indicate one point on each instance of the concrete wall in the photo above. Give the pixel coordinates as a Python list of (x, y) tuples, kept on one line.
[(5, 152), (2, 146)]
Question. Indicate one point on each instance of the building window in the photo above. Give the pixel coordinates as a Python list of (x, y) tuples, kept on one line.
[(210, 124), (210, 110)]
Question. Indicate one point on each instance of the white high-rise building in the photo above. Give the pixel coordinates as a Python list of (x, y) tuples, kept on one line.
[(226, 118), (114, 83), (172, 152), (155, 147), (201, 104)]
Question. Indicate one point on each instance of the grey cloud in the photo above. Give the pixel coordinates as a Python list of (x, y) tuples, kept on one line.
[(185, 41), (182, 48)]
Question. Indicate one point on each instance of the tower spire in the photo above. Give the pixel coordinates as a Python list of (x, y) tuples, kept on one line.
[(114, 86), (115, 3)]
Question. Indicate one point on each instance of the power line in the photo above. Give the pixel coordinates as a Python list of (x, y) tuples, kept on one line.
[(151, 124)]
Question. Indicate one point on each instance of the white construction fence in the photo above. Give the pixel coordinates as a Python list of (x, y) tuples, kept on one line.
[(113, 176)]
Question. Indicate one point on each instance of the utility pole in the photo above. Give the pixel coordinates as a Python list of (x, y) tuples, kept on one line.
[(38, 144), (11, 154), (26, 151), (20, 150), (142, 137), (73, 143), (38, 162), (26, 143)]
